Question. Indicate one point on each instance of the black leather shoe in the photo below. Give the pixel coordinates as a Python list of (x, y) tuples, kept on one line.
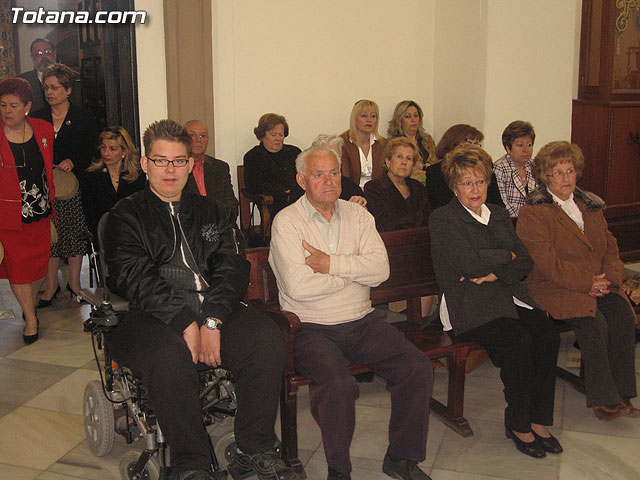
[(336, 475), (403, 469), (43, 303), (29, 339), (549, 444), (533, 449)]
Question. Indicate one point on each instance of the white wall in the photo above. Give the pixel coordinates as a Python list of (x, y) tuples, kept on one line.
[(483, 62), (530, 69), (310, 61), (152, 67), (460, 64), (517, 60)]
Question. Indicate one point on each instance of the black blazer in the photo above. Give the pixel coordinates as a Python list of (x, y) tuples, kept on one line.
[(463, 247), (440, 194), (77, 138), (391, 210), (98, 194), (217, 181), (39, 102)]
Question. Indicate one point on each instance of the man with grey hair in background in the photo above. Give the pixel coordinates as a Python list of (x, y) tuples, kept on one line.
[(210, 177), (326, 255)]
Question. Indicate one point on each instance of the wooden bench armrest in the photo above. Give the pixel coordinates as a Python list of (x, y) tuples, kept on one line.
[(288, 322)]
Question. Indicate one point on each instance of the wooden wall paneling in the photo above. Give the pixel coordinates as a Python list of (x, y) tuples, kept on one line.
[(623, 182), (590, 131), (189, 57)]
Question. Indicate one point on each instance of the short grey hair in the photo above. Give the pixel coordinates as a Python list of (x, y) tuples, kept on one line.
[(324, 139), (301, 160)]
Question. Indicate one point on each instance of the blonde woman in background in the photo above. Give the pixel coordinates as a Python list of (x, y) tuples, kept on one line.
[(406, 121), (363, 145)]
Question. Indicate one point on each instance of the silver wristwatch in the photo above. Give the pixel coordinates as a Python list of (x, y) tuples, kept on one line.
[(213, 323)]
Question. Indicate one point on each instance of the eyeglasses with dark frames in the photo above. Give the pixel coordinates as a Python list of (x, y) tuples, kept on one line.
[(164, 162)]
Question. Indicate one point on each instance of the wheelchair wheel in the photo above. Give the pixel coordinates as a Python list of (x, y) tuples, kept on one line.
[(128, 464), (224, 449), (98, 419)]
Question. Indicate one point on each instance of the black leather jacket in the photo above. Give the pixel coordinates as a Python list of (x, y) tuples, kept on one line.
[(141, 236)]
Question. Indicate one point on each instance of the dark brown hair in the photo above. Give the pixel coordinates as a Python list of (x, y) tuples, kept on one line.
[(267, 122), (454, 136), (517, 129)]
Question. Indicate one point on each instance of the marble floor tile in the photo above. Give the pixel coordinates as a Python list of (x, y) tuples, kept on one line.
[(6, 408), (68, 319), (439, 474), (489, 453), (45, 436), (599, 457), (22, 380), (81, 462), (66, 395), (12, 472), (578, 418), (11, 336), (59, 348), (55, 476)]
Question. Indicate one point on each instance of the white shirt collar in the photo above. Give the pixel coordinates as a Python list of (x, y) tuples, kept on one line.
[(485, 214), (570, 208)]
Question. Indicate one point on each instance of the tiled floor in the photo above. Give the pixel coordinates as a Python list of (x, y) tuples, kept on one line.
[(41, 432)]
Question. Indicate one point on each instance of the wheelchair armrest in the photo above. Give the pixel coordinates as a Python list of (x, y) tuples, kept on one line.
[(260, 199), (94, 296)]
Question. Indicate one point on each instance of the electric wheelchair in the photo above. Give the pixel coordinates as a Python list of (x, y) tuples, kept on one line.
[(118, 403)]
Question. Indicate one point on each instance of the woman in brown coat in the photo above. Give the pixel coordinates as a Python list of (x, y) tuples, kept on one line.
[(363, 145), (577, 275)]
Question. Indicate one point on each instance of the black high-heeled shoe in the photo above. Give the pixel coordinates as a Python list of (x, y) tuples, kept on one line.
[(43, 303), (29, 339), (533, 449), (549, 444)]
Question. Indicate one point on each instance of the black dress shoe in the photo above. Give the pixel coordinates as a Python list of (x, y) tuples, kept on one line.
[(43, 303), (29, 339), (533, 449), (336, 475), (549, 444)]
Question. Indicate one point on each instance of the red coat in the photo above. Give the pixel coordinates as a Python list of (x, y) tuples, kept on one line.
[(10, 196)]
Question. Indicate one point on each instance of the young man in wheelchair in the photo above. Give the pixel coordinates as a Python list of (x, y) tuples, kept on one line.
[(175, 257)]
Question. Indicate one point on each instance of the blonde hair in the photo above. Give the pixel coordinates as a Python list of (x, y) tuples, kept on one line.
[(131, 161), (359, 107)]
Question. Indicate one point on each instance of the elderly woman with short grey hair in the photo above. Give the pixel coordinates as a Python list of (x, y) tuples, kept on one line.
[(480, 265), (577, 275)]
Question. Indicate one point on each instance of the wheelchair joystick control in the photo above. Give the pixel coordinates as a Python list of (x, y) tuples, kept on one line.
[(104, 315)]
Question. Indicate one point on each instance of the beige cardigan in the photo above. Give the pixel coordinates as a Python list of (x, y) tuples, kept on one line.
[(360, 262)]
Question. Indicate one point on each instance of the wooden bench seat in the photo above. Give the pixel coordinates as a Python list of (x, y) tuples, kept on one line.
[(411, 277)]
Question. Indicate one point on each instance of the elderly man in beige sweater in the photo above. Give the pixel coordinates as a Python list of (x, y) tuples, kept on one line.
[(326, 255)]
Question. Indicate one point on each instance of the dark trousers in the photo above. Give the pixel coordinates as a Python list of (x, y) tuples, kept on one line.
[(526, 351), (251, 348), (323, 353), (607, 343)]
